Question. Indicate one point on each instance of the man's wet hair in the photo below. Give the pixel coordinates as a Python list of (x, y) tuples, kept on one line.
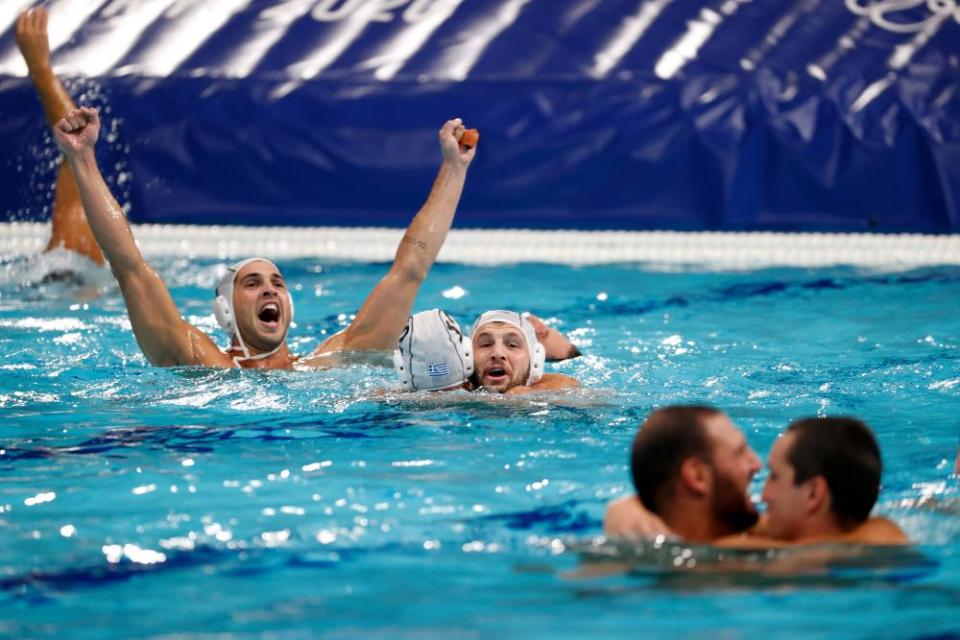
[(668, 437), (845, 452)]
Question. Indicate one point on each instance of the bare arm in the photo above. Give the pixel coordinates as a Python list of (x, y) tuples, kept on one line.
[(557, 346), (878, 531), (626, 517), (69, 227), (35, 48), (163, 336), (384, 313), (549, 382)]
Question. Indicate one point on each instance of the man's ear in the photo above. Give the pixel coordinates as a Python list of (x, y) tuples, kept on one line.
[(695, 475), (818, 494)]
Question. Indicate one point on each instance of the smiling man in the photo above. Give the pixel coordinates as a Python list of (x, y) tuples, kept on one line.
[(252, 302), (509, 358), (824, 478), (691, 469)]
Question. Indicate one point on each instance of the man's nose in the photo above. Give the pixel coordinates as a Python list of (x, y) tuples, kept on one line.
[(755, 464)]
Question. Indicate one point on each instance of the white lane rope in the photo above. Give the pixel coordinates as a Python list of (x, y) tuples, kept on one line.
[(712, 250)]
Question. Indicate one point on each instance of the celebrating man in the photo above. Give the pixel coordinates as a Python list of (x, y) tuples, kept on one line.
[(252, 301)]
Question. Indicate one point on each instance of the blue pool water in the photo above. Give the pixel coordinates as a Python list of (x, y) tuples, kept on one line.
[(143, 502)]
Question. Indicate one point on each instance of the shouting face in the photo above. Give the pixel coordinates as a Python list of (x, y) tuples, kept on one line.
[(501, 358), (261, 305)]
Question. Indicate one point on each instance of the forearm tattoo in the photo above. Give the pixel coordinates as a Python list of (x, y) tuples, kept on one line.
[(420, 243)]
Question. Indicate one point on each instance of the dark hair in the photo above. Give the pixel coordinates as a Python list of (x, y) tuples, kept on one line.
[(667, 437), (845, 453)]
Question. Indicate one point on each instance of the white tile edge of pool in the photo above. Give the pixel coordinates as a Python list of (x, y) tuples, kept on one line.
[(729, 250)]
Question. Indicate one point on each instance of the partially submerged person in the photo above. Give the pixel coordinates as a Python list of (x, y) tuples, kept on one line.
[(69, 228), (509, 358), (252, 301), (824, 478), (692, 469), (433, 354)]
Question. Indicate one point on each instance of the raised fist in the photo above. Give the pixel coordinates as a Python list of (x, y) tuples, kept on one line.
[(77, 131)]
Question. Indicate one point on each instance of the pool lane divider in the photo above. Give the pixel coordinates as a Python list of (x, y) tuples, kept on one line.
[(710, 249)]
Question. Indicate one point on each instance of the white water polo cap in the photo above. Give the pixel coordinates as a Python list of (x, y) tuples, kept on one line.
[(223, 303), (432, 353), (536, 351)]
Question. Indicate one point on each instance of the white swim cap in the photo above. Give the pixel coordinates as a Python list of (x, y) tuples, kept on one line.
[(536, 351), (432, 353), (223, 304)]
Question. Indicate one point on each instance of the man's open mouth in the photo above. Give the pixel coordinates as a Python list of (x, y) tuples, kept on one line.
[(270, 314), (495, 373)]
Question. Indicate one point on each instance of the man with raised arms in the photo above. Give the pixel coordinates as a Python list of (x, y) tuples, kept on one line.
[(69, 229), (692, 468), (252, 301)]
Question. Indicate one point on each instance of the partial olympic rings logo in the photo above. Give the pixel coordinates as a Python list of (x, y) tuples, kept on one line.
[(411, 11), (880, 13)]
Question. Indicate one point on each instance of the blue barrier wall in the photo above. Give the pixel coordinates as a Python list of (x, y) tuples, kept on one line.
[(656, 114)]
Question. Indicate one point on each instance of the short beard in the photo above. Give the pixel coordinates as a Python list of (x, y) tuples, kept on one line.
[(730, 506)]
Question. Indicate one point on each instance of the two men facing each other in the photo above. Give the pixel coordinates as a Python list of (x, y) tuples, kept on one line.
[(692, 469)]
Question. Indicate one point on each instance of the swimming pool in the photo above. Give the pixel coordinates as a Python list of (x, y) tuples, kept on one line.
[(148, 502)]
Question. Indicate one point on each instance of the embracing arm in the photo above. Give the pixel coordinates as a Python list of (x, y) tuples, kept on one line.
[(877, 531), (384, 313), (626, 517), (549, 382), (557, 346), (165, 338)]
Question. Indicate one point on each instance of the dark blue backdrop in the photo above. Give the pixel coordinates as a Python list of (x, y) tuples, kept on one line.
[(656, 114)]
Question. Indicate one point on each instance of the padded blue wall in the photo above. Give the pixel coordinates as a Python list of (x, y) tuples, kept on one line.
[(656, 114)]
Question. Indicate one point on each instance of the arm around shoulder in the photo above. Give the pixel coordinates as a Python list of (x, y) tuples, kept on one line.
[(549, 382), (626, 517), (879, 531)]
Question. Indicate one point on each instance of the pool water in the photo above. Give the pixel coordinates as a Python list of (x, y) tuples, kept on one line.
[(145, 502)]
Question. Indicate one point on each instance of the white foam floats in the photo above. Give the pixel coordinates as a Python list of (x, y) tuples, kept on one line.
[(713, 250)]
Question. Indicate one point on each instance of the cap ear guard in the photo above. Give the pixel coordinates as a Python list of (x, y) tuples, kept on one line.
[(223, 312), (401, 364), (538, 356), (466, 344)]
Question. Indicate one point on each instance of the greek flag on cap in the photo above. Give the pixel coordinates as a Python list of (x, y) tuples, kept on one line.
[(432, 353)]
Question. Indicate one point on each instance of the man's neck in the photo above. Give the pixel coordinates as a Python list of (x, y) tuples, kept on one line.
[(694, 522), (279, 359)]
